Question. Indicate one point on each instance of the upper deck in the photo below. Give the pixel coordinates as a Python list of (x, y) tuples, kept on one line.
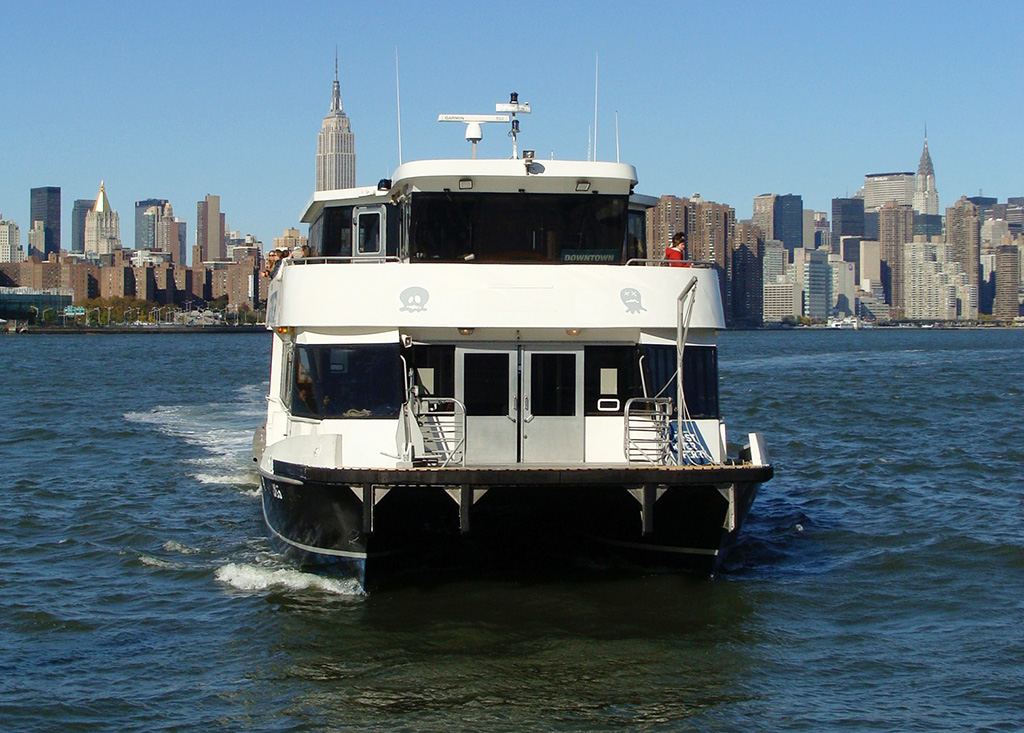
[(432, 246), (514, 175), (500, 211)]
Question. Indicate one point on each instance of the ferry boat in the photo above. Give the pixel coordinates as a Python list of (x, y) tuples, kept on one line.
[(477, 351)]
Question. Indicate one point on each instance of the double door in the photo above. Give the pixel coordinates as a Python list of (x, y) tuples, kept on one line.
[(523, 404)]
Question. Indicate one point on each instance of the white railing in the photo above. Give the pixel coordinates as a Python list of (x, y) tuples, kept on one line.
[(648, 432), (442, 423)]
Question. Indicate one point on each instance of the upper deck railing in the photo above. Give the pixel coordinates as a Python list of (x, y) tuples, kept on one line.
[(658, 262), (633, 262)]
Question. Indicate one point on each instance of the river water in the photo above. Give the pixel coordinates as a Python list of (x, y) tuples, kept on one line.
[(879, 584)]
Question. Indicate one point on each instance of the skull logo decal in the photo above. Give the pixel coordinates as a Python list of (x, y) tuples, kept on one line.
[(631, 299), (414, 300)]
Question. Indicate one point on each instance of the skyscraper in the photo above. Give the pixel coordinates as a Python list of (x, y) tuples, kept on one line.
[(209, 230), (1007, 303), (102, 226), (881, 187), (170, 235), (847, 220), (45, 207), (664, 219), (817, 284), (895, 228), (145, 236), (10, 241), (926, 198), (764, 213), (780, 217), (963, 233), (935, 285), (788, 220), (37, 239), (81, 208), (709, 234), (335, 146), (927, 215), (747, 256), (780, 299)]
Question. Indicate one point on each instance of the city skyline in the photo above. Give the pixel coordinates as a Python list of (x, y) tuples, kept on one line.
[(729, 104)]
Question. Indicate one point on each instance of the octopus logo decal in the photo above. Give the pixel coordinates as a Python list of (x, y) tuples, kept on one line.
[(414, 300), (631, 299)]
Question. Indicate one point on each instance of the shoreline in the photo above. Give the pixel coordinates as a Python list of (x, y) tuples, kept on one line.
[(261, 328), (95, 330)]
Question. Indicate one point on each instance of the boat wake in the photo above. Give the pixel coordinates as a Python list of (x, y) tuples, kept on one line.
[(245, 577), (223, 431)]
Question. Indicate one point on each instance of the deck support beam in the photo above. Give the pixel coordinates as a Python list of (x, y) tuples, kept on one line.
[(369, 494), (465, 496), (367, 509), (729, 492), (647, 495)]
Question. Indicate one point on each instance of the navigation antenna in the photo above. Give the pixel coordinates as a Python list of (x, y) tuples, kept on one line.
[(474, 133), (513, 107)]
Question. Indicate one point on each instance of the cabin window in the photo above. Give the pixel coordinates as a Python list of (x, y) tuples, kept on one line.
[(433, 370), (518, 227), (347, 381), (553, 384), (611, 375), (486, 387), (287, 362), (369, 241), (636, 235), (331, 234), (700, 377)]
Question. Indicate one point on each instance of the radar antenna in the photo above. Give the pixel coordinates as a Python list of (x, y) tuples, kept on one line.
[(474, 132)]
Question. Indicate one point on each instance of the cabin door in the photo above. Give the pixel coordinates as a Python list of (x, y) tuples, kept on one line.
[(486, 382), (551, 421), (369, 224), (523, 405)]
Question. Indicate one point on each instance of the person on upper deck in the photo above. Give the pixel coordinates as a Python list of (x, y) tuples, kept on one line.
[(272, 263), (676, 250)]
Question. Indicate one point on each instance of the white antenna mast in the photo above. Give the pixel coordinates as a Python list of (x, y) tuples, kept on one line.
[(617, 137), (512, 108), (398, 99), (595, 104)]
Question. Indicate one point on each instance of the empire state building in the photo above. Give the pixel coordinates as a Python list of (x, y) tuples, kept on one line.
[(335, 146)]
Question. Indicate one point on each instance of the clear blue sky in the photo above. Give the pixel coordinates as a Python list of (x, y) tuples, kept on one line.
[(176, 100)]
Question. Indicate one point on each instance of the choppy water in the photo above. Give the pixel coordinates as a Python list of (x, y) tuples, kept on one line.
[(879, 585)]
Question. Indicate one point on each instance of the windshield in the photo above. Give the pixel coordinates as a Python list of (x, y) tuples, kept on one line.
[(518, 227), (350, 381)]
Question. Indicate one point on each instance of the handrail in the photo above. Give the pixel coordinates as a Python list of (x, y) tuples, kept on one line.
[(647, 435), (685, 427), (337, 260), (442, 424), (659, 262)]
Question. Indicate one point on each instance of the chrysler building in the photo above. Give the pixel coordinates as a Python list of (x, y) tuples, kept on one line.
[(926, 198), (335, 146)]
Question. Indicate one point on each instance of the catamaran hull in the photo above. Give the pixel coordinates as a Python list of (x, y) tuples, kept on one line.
[(364, 530), (314, 527)]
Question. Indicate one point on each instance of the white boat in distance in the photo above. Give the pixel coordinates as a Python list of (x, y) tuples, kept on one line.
[(476, 349)]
